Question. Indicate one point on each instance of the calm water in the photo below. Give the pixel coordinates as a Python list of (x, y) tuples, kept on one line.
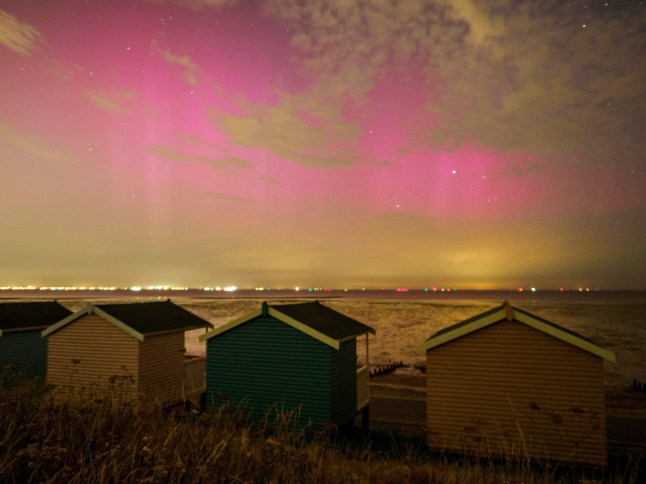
[(616, 320)]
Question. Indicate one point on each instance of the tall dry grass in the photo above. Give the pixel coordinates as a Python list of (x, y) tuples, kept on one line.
[(99, 440)]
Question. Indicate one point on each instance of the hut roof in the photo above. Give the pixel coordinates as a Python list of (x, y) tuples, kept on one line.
[(24, 316), (312, 318), (511, 313), (140, 319)]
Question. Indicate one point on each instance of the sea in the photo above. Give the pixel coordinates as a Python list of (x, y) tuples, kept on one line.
[(403, 318)]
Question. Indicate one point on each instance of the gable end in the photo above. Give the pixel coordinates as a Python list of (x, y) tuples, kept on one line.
[(509, 313), (303, 328), (89, 309)]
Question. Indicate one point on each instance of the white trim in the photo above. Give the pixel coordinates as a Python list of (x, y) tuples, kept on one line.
[(118, 323), (304, 328), (21, 330), (275, 313), (565, 336), (230, 325), (89, 309), (64, 322), (462, 331), (509, 313)]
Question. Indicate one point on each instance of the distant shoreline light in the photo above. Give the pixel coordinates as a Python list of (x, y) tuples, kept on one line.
[(233, 288)]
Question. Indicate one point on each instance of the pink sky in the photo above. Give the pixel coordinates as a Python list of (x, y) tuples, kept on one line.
[(202, 143)]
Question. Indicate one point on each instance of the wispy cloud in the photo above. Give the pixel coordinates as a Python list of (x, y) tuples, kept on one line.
[(287, 130), (113, 102), (184, 62), (69, 71), (30, 144), (536, 80), (223, 162), (223, 197), (507, 75), (18, 36), (197, 4)]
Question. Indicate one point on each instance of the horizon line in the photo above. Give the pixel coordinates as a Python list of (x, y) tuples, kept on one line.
[(299, 289)]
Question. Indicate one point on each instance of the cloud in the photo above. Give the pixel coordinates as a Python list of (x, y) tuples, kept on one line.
[(113, 102), (227, 163), (517, 169), (228, 198), (301, 129), (482, 25), (347, 49), (68, 71), (507, 75), (190, 68), (347, 46), (533, 78), (198, 4), (29, 144), (18, 36)]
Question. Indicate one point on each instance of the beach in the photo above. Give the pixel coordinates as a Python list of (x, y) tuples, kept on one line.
[(403, 320), (616, 323), (615, 320)]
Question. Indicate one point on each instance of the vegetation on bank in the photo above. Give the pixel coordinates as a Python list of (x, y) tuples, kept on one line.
[(107, 440)]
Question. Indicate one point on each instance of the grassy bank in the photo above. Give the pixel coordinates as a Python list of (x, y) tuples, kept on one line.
[(110, 441)]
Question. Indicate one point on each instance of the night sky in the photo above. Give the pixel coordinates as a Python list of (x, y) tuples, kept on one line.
[(339, 143)]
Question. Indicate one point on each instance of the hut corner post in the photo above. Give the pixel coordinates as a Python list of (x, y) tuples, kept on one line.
[(363, 390)]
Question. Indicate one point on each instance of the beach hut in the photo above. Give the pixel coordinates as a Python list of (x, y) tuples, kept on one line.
[(23, 353), (507, 382), (290, 359), (133, 350)]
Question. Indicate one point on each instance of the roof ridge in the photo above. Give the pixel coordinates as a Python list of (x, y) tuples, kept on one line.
[(511, 313)]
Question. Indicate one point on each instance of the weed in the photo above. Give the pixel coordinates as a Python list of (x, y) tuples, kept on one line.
[(98, 440)]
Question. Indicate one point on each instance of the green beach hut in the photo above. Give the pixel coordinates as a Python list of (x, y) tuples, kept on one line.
[(23, 353), (296, 359)]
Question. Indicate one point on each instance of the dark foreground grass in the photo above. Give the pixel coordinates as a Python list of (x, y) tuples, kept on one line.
[(103, 440)]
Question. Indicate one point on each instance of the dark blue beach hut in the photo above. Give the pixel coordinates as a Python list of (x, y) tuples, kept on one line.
[(23, 352), (300, 359)]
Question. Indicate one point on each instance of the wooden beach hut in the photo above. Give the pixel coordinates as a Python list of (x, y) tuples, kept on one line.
[(296, 359), (507, 382), (133, 350), (23, 353)]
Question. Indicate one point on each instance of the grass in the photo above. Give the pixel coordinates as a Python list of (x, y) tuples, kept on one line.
[(98, 441)]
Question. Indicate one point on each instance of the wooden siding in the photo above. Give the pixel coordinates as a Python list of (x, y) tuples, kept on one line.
[(92, 357), (23, 356), (344, 382), (509, 389), (265, 365), (161, 367), (195, 376)]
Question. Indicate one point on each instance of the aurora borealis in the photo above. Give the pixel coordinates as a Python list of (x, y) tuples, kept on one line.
[(324, 143)]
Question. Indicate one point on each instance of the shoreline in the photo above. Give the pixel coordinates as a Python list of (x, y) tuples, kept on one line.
[(432, 295)]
